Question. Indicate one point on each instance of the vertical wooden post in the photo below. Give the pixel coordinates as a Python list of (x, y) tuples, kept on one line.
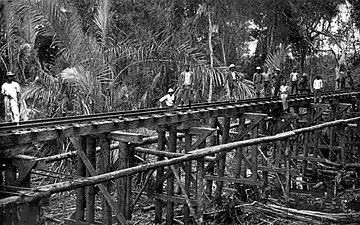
[(124, 184), (187, 176), (287, 169), (342, 141), (200, 190), (221, 164), (11, 212), (128, 202), (170, 179), (213, 141), (159, 175), (90, 203), (254, 153), (239, 159), (80, 192), (105, 167)]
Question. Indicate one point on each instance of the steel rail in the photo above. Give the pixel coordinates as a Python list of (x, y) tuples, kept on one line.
[(51, 122)]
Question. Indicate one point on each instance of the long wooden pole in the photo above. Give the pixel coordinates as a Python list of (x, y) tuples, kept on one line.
[(90, 203), (170, 179), (159, 175), (80, 192)]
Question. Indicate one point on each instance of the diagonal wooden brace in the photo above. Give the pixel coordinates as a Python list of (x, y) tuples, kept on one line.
[(102, 187)]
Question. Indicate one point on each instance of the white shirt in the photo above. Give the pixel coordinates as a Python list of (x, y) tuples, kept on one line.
[(169, 99), (318, 84), (233, 74), (187, 78), (283, 89), (10, 89), (294, 76)]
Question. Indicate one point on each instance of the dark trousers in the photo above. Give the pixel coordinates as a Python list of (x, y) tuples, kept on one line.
[(294, 87)]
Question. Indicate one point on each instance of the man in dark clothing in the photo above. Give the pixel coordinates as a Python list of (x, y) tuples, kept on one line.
[(257, 78), (304, 87), (277, 81)]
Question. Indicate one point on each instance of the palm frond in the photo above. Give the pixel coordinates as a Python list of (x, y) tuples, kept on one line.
[(274, 59)]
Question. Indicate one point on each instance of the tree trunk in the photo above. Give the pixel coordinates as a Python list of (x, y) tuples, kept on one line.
[(211, 83)]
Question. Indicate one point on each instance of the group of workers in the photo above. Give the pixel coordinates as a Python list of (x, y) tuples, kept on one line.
[(266, 84)]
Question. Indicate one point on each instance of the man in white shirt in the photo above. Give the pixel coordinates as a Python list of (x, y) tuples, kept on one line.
[(294, 76), (11, 90), (318, 86), (169, 98), (186, 81)]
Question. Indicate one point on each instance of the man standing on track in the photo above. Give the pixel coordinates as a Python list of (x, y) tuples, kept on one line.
[(257, 78), (277, 82), (231, 80), (294, 76), (11, 91), (186, 81), (266, 82)]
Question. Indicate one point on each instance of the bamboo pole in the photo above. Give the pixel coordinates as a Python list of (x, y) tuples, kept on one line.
[(159, 174), (254, 153), (170, 179), (90, 203), (239, 159), (287, 168)]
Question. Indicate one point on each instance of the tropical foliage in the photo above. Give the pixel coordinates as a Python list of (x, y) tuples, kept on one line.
[(89, 56)]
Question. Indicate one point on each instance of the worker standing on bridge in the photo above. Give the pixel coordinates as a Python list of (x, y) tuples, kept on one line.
[(266, 78), (277, 81), (304, 87), (257, 78), (11, 91), (186, 81), (231, 79), (169, 99), (284, 92), (318, 85), (294, 75)]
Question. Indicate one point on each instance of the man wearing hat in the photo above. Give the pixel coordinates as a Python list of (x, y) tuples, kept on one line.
[(169, 98), (11, 90), (257, 79), (304, 86), (231, 79)]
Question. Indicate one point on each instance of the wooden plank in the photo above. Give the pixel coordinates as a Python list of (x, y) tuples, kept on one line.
[(121, 184), (102, 188), (233, 180), (125, 137)]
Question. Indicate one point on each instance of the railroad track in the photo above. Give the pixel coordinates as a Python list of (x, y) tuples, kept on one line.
[(72, 120)]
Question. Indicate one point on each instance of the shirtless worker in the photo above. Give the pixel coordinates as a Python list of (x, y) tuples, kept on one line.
[(257, 78), (11, 92)]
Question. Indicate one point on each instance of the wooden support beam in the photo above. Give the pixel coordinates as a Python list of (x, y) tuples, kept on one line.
[(125, 137), (77, 222), (159, 175), (105, 168), (91, 156), (177, 199), (103, 189), (200, 139), (80, 144), (201, 130), (187, 170), (170, 180)]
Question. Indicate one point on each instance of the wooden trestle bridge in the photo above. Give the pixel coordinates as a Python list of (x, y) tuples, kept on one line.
[(200, 152)]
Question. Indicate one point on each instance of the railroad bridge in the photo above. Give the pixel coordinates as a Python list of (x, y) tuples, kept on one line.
[(196, 156)]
